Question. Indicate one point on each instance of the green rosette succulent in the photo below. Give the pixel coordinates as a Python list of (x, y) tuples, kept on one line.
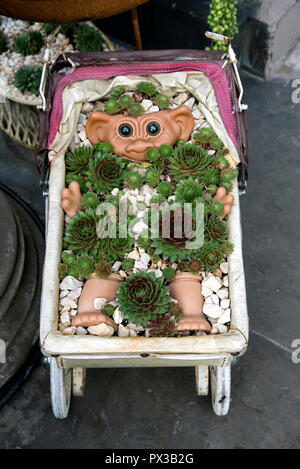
[(207, 137), (27, 79), (169, 273), (104, 147), (152, 176), (165, 150), (143, 297), (108, 310), (188, 160), (227, 247), (90, 200), (211, 255), (188, 190), (216, 229), (28, 43), (152, 155), (70, 177), (163, 326), (78, 160), (227, 175), (106, 172), (215, 208), (125, 101), (87, 39), (220, 160), (117, 91), (84, 265), (115, 248), (165, 189), (111, 106), (103, 269), (133, 179), (128, 264), (135, 109), (147, 88), (211, 176), (162, 101), (81, 235)]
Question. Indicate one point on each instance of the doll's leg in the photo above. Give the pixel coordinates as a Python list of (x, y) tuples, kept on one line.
[(71, 199)]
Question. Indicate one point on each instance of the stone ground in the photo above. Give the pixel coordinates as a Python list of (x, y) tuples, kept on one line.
[(158, 408)]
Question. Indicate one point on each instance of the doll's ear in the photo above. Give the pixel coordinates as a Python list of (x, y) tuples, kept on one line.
[(96, 126), (183, 117)]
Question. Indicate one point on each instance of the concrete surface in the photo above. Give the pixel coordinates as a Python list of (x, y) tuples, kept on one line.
[(158, 408)]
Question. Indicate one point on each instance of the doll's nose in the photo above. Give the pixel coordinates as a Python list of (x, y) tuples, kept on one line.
[(139, 146)]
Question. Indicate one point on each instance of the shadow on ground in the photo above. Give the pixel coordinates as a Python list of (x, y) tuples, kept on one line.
[(158, 408)]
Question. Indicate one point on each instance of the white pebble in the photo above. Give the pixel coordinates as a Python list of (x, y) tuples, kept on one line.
[(190, 103), (218, 328), (114, 191), (99, 303), (123, 331), (87, 107), (212, 310), (132, 333), (81, 330), (212, 282), (69, 330), (225, 317), (118, 316), (225, 303), (225, 281), (181, 98), (206, 291), (82, 135), (63, 293), (67, 303), (153, 109), (146, 103), (65, 318), (73, 312), (70, 283), (116, 266), (222, 293), (74, 294), (158, 273), (122, 273), (224, 267), (215, 299), (102, 330), (139, 227)]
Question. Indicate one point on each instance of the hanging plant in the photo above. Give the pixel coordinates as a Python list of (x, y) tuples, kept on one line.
[(222, 19)]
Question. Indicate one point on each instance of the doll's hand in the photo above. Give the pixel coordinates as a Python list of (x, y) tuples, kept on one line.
[(225, 199), (71, 199)]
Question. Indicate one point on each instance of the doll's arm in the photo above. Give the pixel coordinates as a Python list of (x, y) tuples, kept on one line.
[(71, 199)]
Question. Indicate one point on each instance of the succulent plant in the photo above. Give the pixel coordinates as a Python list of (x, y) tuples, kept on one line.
[(152, 176), (103, 269), (112, 106), (147, 88), (144, 243), (78, 160), (106, 172), (211, 176), (27, 79), (188, 190), (163, 326), (195, 265), (104, 147), (157, 199), (216, 229), (165, 150), (169, 273), (116, 248), (228, 186), (212, 189), (133, 179), (87, 39), (211, 254), (174, 309), (204, 135), (220, 160), (188, 160), (108, 310), (174, 245), (70, 177), (152, 154), (136, 109), (28, 43), (143, 297), (84, 265), (162, 101), (222, 19), (90, 200), (228, 175), (81, 235), (128, 264), (125, 101), (165, 189), (68, 258), (2, 42), (117, 91), (180, 142), (215, 208)]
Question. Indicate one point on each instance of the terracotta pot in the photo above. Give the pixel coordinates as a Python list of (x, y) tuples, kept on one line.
[(186, 289), (96, 288)]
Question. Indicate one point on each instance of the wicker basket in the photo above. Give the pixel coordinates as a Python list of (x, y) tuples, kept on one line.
[(19, 118)]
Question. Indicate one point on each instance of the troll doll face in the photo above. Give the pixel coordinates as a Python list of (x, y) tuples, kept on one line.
[(132, 136)]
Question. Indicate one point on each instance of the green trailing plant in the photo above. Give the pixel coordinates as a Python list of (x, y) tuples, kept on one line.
[(78, 160), (27, 79), (28, 43), (188, 190), (222, 19), (162, 101), (81, 235), (90, 200), (103, 269), (125, 101), (165, 150), (188, 160), (165, 189), (147, 88), (106, 172), (108, 310), (143, 297), (211, 255), (87, 39), (152, 155), (163, 326), (127, 264), (136, 109), (111, 106), (104, 147), (152, 176), (133, 179), (70, 177), (169, 273), (2, 42), (117, 91)]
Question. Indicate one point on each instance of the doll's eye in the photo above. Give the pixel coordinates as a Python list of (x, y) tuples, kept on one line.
[(125, 130), (153, 128)]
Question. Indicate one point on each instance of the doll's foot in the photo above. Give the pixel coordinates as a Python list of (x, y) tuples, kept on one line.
[(71, 199), (93, 319), (192, 323), (225, 199)]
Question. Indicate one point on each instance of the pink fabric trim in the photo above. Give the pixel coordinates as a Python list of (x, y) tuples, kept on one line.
[(215, 73)]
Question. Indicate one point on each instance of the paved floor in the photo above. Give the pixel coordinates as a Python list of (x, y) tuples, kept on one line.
[(158, 408)]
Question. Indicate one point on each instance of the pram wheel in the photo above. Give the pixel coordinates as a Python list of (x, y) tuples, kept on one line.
[(61, 387), (220, 386)]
